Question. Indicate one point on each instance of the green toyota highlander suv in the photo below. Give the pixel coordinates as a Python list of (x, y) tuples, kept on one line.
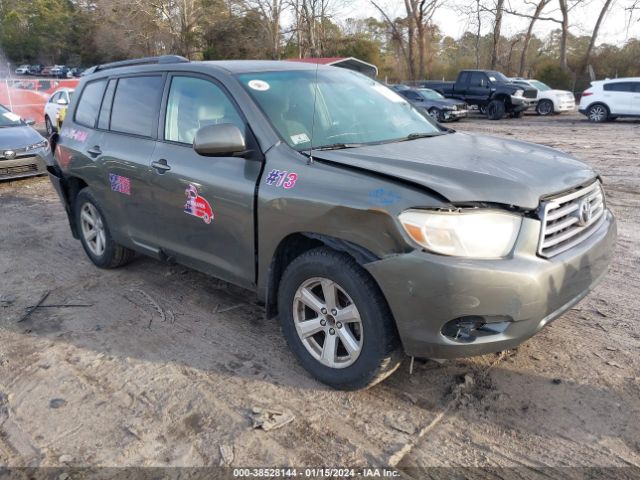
[(365, 227)]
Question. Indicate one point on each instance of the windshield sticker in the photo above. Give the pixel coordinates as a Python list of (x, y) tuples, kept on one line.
[(382, 197), (281, 178), (197, 205), (120, 184), (12, 116), (300, 138), (259, 85), (388, 93)]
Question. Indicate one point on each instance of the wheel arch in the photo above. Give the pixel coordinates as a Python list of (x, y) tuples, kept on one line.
[(71, 187), (294, 245)]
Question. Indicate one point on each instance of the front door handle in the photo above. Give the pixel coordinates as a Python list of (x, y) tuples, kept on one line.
[(161, 166), (95, 151)]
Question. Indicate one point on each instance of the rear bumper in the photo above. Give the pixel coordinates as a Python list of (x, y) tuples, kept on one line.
[(22, 167), (515, 296), (61, 187)]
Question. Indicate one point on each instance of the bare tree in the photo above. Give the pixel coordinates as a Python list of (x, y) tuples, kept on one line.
[(594, 34), (497, 27), (527, 38), (271, 10)]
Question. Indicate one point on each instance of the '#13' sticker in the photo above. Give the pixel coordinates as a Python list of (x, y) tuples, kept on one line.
[(281, 178)]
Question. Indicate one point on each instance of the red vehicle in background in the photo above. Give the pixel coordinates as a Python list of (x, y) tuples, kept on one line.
[(27, 97)]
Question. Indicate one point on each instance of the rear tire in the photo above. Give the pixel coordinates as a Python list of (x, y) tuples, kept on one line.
[(49, 126), (598, 113), (496, 110), (95, 236), (319, 291)]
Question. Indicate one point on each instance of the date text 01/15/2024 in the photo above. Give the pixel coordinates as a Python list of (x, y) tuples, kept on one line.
[(318, 473)]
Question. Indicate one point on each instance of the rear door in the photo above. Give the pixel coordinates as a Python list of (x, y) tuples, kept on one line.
[(204, 205), (620, 97), (129, 120)]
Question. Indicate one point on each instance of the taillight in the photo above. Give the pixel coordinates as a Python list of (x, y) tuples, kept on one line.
[(586, 93)]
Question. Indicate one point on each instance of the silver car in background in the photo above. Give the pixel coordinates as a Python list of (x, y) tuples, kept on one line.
[(23, 151)]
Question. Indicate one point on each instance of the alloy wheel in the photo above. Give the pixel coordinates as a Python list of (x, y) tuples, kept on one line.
[(597, 113), (92, 228), (328, 322)]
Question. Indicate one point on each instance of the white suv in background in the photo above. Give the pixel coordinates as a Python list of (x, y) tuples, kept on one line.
[(609, 99), (57, 101), (550, 101)]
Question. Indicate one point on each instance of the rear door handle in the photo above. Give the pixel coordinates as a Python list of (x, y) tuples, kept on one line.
[(161, 166), (95, 151)]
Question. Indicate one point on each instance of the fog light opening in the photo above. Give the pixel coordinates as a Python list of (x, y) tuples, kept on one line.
[(468, 329)]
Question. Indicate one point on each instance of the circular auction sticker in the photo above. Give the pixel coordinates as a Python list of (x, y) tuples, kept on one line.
[(259, 85)]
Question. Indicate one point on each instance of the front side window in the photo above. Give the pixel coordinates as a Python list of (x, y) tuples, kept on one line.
[(349, 108), (89, 103), (194, 103), (135, 105), (478, 79)]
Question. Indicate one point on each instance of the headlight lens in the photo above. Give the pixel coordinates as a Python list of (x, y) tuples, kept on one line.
[(472, 233), (42, 144), (518, 93)]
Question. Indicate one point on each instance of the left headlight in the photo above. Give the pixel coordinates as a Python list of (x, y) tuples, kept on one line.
[(472, 233), (43, 144)]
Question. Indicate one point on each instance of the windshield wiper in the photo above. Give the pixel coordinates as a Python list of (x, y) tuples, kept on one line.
[(339, 146)]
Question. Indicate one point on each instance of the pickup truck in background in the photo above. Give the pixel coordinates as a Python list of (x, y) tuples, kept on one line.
[(494, 94)]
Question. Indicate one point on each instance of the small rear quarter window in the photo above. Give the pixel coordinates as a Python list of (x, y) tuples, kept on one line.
[(89, 103)]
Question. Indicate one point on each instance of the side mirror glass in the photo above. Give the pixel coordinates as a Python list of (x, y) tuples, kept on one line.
[(30, 121), (61, 101), (219, 140)]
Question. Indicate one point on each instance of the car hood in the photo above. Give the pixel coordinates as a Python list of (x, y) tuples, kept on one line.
[(12, 138), (465, 167), (557, 92)]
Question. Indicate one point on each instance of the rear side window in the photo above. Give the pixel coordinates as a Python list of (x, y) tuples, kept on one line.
[(135, 105), (90, 99), (105, 110), (619, 87)]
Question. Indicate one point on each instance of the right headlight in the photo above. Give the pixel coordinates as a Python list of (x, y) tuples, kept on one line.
[(518, 93), (480, 233)]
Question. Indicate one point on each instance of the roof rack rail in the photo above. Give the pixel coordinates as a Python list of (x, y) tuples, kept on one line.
[(162, 59)]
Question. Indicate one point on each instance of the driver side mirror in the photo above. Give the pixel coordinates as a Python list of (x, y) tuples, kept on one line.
[(61, 101), (219, 140), (30, 122)]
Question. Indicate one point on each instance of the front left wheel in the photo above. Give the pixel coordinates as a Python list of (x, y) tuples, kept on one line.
[(336, 320)]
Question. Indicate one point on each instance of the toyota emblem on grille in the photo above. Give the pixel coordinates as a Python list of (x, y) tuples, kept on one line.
[(9, 154), (584, 212)]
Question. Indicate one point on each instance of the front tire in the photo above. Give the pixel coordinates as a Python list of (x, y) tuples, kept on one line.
[(496, 110), (598, 113), (95, 237), (545, 107), (336, 320), (436, 114)]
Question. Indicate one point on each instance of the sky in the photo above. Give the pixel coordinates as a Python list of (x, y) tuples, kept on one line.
[(614, 29)]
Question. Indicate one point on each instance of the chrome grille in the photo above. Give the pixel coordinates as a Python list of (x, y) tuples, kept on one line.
[(570, 218)]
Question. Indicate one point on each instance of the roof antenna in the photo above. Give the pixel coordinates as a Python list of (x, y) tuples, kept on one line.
[(313, 118)]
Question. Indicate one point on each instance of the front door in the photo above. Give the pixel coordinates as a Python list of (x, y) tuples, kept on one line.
[(205, 205)]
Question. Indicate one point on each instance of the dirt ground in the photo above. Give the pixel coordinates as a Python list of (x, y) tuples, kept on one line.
[(165, 366)]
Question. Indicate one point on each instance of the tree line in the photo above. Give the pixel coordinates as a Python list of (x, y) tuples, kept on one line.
[(403, 39)]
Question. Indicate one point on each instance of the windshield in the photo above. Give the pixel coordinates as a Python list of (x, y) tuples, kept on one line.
[(429, 94), (9, 119), (497, 76), (350, 108), (539, 85)]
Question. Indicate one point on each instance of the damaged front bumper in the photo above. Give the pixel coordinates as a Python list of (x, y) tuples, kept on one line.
[(447, 307)]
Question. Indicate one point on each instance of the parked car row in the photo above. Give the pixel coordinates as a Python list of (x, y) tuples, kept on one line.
[(58, 71)]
